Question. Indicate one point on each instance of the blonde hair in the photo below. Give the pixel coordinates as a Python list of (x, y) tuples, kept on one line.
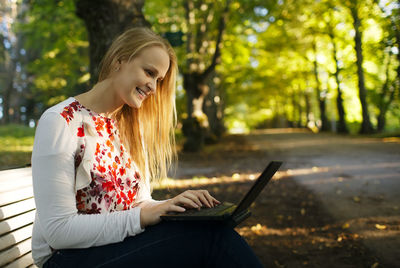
[(148, 132)]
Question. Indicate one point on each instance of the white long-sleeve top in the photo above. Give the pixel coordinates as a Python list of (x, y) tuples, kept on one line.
[(87, 190)]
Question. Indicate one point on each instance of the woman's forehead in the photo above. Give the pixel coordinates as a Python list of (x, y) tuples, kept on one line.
[(155, 56)]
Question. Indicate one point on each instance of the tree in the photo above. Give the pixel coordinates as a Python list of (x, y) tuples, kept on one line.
[(105, 21), (321, 95), (390, 87), (196, 74), (9, 48), (341, 123), (203, 23), (366, 126)]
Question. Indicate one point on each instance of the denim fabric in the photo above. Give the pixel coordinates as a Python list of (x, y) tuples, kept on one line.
[(167, 244)]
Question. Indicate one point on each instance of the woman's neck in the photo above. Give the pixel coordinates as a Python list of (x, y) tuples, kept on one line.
[(101, 99)]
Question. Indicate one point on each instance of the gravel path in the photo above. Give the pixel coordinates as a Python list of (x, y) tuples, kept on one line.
[(357, 180)]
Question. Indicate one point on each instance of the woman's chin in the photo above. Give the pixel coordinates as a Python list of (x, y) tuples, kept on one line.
[(135, 103)]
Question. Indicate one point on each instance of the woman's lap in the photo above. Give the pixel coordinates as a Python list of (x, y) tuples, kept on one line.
[(168, 244)]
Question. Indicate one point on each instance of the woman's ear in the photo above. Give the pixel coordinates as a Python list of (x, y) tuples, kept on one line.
[(117, 66)]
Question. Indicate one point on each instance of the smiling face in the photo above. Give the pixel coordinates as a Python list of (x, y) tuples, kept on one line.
[(136, 80)]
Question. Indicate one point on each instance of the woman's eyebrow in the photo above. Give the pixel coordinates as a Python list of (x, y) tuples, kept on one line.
[(154, 69)]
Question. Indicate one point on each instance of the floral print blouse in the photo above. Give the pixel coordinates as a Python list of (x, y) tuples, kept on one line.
[(114, 177)]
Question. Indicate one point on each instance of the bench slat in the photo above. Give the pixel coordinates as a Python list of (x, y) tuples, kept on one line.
[(15, 237), (14, 179), (15, 252), (17, 222), (15, 196), (16, 208), (15, 184), (24, 261), (15, 173)]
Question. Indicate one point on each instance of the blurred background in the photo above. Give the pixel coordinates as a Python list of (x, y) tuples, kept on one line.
[(329, 66)]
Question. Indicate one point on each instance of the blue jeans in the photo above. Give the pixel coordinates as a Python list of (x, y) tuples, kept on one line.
[(167, 244)]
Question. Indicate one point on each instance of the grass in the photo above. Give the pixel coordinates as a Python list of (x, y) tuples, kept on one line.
[(16, 145)]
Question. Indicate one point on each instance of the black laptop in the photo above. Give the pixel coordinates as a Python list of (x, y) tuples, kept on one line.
[(231, 213)]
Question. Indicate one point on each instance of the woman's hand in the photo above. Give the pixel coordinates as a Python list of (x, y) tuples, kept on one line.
[(150, 215)]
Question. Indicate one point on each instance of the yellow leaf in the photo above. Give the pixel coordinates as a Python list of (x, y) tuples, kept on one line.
[(303, 211), (345, 226), (380, 226), (256, 227), (236, 176), (356, 199)]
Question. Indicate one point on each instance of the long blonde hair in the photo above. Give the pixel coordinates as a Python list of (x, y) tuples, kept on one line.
[(148, 132)]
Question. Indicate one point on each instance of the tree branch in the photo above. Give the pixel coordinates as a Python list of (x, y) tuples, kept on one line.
[(188, 5), (217, 53)]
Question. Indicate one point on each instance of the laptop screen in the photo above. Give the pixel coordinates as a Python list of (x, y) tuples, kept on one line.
[(258, 186)]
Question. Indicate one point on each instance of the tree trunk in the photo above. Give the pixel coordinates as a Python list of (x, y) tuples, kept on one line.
[(10, 58), (7, 98), (105, 20), (196, 126), (294, 107), (308, 108), (300, 110), (341, 124), (366, 126), (321, 99), (214, 109), (384, 99)]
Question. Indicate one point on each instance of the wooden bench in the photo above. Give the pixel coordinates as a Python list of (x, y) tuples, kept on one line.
[(17, 213)]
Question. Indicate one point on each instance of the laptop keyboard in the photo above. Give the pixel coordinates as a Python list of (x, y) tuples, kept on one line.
[(217, 210)]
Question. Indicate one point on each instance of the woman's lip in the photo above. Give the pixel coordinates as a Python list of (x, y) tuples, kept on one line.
[(141, 90)]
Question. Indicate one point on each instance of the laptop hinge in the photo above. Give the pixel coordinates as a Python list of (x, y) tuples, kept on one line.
[(237, 219)]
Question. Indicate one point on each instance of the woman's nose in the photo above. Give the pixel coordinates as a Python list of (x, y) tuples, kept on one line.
[(152, 86)]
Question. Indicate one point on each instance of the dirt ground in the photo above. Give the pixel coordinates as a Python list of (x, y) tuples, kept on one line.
[(334, 202)]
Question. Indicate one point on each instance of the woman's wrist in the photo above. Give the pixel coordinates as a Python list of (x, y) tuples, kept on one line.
[(142, 219)]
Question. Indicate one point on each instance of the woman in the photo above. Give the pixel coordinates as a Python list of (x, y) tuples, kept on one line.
[(93, 157)]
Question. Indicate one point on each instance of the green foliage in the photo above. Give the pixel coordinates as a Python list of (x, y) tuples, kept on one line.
[(57, 45), (267, 64), (266, 69)]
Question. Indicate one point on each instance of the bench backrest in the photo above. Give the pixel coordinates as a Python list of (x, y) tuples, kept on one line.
[(17, 213)]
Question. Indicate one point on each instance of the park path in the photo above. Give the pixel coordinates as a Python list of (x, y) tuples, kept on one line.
[(357, 180)]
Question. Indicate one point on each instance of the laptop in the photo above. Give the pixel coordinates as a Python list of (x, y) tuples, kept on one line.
[(228, 212)]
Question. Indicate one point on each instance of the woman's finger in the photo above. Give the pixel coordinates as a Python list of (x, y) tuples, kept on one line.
[(187, 201), (171, 206), (193, 196), (204, 200), (216, 201), (176, 208), (209, 197)]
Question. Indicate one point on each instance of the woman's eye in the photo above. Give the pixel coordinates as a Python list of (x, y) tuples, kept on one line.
[(150, 73)]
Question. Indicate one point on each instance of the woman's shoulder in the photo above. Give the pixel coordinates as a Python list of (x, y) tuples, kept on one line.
[(68, 110), (58, 127)]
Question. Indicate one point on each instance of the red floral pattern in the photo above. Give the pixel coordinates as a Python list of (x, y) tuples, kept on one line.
[(115, 182)]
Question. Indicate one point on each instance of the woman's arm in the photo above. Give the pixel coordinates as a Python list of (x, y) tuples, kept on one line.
[(53, 171)]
